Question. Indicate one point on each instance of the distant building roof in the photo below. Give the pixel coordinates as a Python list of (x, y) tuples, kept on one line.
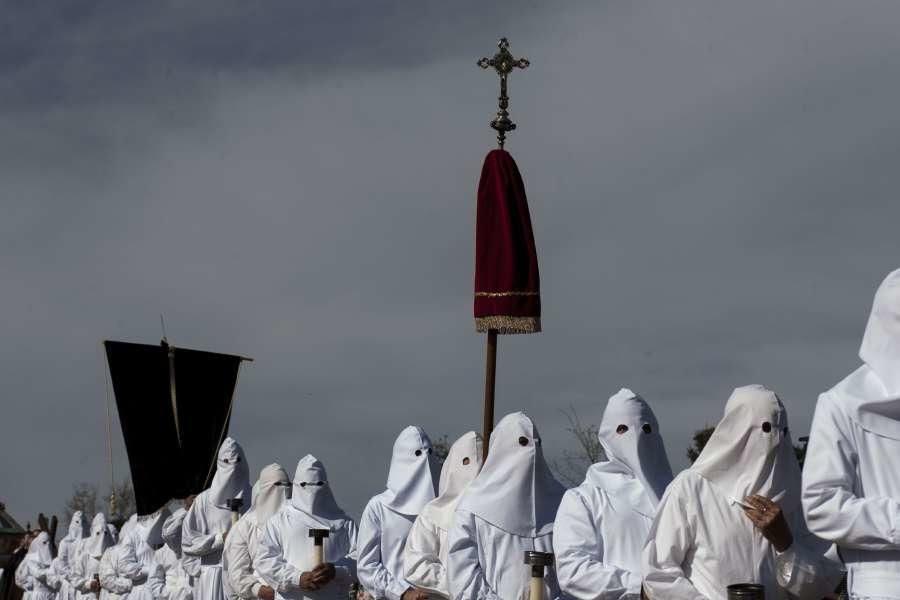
[(8, 524)]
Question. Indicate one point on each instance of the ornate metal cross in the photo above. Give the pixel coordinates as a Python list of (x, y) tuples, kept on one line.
[(503, 63)]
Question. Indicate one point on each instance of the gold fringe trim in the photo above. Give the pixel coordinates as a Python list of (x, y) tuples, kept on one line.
[(506, 325), (504, 294)]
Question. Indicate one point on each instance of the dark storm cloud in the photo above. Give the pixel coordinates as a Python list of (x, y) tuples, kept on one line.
[(89, 51), (712, 188)]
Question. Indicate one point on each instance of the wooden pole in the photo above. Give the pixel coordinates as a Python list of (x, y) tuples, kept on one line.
[(490, 378)]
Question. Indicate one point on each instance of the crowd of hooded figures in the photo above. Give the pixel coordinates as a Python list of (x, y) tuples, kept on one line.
[(742, 513)]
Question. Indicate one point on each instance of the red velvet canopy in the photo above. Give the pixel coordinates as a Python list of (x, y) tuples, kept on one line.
[(507, 284)]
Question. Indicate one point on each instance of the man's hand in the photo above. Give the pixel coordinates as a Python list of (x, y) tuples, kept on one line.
[(308, 582), (323, 574), (266, 593), (768, 518), (414, 594)]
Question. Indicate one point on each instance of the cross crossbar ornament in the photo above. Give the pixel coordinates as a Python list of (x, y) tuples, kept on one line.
[(503, 63)]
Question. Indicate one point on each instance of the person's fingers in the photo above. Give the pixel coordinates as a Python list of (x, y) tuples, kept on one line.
[(770, 505), (755, 502), (752, 512)]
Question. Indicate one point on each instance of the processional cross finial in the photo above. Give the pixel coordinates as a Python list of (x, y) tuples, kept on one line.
[(503, 63)]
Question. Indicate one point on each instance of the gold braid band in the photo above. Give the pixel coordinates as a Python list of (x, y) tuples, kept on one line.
[(504, 294), (505, 325)]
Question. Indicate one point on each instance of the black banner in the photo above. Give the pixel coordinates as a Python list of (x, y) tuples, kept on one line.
[(170, 458)]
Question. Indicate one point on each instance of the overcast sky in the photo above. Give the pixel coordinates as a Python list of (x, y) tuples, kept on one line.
[(713, 188)]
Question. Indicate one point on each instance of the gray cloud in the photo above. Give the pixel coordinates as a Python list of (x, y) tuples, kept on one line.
[(711, 186)]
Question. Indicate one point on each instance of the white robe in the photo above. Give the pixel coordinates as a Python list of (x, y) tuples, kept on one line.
[(382, 536), (241, 546), (598, 538), (388, 517), (169, 580), (851, 481), (486, 563), (209, 519), (701, 540), (66, 555), (114, 586), (138, 558), (87, 565), (507, 510), (285, 548), (425, 557), (240, 579), (34, 574), (851, 496), (286, 551), (425, 553), (601, 525)]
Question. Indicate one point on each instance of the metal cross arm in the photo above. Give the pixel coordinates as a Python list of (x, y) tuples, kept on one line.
[(503, 63)]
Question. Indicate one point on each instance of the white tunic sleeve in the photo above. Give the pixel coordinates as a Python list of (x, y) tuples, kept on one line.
[(668, 542), (109, 578), (157, 581), (578, 550), (345, 566), (195, 540), (66, 556), (271, 562), (373, 575), (22, 575), (465, 576), (130, 566), (422, 561), (805, 572), (238, 563), (833, 510), (78, 574)]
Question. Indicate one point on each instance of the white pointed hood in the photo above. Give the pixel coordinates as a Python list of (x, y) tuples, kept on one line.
[(232, 478), (515, 490), (411, 479), (100, 538), (750, 451), (39, 550), (629, 435), (269, 493), (312, 494), (872, 393), (459, 470), (77, 529)]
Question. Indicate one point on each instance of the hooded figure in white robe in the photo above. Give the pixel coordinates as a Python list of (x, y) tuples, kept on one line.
[(115, 585), (388, 517), (86, 570), (242, 545), (34, 573), (286, 550), (703, 540), (851, 481), (508, 510), (139, 553), (66, 553), (169, 580), (209, 519), (425, 555), (602, 524)]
